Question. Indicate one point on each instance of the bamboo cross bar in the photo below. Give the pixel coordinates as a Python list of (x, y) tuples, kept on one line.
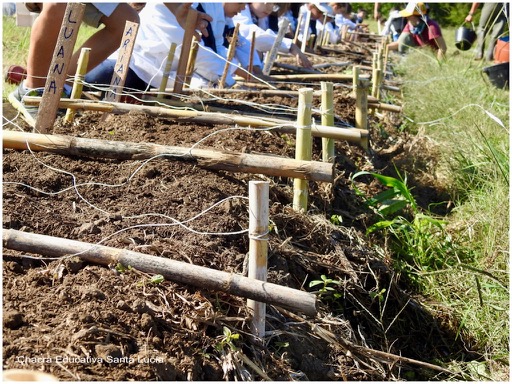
[(297, 69), (342, 52), (59, 66), (391, 88), (172, 270), (78, 83), (123, 62), (334, 64), (231, 54), (207, 158), (272, 54), (284, 126), (319, 77), (384, 106)]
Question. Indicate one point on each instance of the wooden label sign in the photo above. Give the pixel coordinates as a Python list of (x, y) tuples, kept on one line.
[(123, 62), (59, 66)]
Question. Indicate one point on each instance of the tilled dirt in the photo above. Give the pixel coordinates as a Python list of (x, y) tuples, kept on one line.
[(85, 322)]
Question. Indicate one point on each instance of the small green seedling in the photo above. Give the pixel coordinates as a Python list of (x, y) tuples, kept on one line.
[(157, 279), (227, 340), (326, 287)]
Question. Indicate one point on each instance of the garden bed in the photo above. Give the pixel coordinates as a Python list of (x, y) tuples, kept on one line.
[(81, 321)]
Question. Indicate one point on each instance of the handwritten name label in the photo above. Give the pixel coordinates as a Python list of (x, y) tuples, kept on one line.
[(123, 62), (59, 66)]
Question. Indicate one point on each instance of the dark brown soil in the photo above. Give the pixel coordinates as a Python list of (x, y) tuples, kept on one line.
[(86, 322)]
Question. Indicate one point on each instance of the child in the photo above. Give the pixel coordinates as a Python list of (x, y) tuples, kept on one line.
[(316, 26), (158, 29), (254, 18), (420, 31)]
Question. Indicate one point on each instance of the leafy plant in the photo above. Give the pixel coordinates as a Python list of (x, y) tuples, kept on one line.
[(326, 291), (156, 279), (120, 268), (337, 219), (392, 200), (227, 340), (418, 241)]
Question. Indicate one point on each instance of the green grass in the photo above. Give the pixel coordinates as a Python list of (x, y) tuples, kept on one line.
[(453, 104), (15, 45)]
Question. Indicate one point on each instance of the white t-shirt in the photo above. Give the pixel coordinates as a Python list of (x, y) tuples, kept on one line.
[(305, 30), (157, 31), (264, 38)]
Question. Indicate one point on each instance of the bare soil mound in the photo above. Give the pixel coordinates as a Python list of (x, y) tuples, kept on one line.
[(81, 321)]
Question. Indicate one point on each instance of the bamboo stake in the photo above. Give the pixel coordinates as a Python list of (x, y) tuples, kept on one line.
[(191, 60), (270, 165), (327, 119), (361, 93), (123, 62), (176, 271), (258, 248), (231, 54), (297, 30), (380, 72), (306, 32), (59, 66), (279, 125), (312, 39), (320, 38), (303, 147), (326, 39), (361, 101), (76, 92), (251, 56), (167, 71), (190, 27), (386, 51), (272, 54), (374, 73)]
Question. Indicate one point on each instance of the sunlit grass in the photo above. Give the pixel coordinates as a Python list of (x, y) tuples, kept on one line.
[(454, 104), (15, 44)]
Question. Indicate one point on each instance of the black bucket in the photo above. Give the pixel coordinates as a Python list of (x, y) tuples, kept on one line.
[(498, 75), (465, 37)]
